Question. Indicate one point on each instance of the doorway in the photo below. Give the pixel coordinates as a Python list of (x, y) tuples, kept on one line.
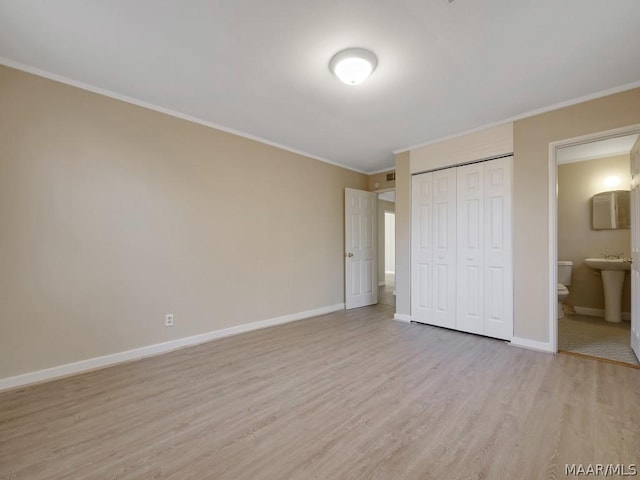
[(390, 250), (387, 248), (583, 168)]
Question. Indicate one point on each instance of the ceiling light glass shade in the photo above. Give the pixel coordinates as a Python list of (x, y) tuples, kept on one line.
[(353, 65)]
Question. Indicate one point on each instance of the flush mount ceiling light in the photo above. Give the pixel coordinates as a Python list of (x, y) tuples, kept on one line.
[(353, 65)]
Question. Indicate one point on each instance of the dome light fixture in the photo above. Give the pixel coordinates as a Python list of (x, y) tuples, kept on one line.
[(353, 65)]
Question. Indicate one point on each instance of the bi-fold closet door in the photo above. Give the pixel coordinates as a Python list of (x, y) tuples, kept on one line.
[(461, 248), (433, 282)]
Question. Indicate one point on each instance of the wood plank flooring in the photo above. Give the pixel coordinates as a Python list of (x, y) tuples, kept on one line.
[(385, 292), (350, 395)]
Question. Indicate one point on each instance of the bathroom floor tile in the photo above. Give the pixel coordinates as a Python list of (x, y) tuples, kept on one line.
[(595, 337)]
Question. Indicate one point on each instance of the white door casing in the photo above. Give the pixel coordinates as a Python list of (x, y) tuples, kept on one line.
[(361, 274), (635, 248)]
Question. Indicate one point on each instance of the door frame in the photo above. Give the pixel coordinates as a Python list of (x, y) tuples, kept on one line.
[(553, 215), (384, 190), (385, 212)]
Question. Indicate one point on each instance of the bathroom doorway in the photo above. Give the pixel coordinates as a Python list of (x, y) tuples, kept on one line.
[(585, 168), (386, 248)]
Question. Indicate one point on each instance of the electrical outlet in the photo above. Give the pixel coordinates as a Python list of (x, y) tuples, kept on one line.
[(168, 320)]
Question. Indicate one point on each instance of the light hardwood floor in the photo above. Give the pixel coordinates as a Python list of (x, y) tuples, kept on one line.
[(348, 395), (386, 294)]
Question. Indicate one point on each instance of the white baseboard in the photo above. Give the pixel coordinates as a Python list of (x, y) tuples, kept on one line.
[(532, 345), (402, 318), (515, 341), (598, 312), (142, 352)]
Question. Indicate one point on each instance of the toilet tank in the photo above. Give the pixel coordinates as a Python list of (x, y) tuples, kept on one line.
[(564, 272)]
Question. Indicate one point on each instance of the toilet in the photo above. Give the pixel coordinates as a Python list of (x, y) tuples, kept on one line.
[(564, 280)]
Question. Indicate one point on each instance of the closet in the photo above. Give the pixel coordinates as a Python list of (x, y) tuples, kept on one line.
[(461, 259)]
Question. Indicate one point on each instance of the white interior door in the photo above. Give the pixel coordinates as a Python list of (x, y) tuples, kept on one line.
[(470, 281), (635, 248), (361, 273), (444, 248), (498, 281), (422, 248)]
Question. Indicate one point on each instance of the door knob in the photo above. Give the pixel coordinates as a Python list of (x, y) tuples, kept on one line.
[(348, 254)]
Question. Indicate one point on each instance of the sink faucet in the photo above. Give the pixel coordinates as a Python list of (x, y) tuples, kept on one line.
[(612, 256)]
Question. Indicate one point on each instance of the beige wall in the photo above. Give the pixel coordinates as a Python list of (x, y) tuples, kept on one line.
[(486, 143), (403, 235), (531, 197), (489, 142), (531, 139), (113, 215), (381, 180), (577, 183), (383, 206)]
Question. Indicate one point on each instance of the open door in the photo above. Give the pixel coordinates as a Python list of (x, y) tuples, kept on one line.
[(635, 248), (360, 251)]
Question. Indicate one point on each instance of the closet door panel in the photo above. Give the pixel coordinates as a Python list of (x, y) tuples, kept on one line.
[(470, 252), (422, 248), (461, 248), (444, 248), (498, 297)]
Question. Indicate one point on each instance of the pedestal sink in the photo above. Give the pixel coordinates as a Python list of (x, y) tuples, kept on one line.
[(612, 270)]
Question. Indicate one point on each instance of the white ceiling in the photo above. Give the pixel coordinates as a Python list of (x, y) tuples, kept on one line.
[(599, 149), (261, 68)]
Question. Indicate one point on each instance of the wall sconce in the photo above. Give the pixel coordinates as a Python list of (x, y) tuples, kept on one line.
[(612, 181)]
